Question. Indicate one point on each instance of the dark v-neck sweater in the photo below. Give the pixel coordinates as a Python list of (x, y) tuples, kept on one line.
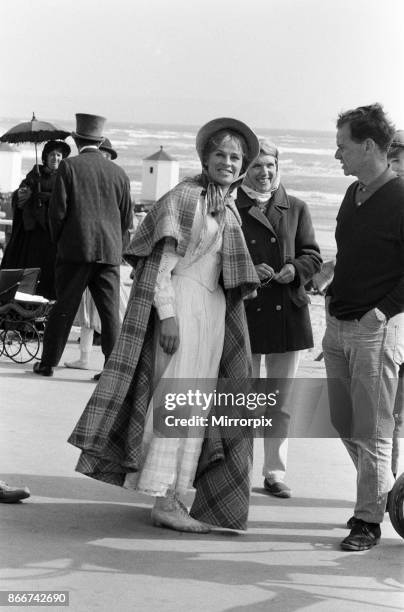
[(369, 270)]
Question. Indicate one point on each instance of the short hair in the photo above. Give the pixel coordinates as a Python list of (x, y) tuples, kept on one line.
[(83, 142), (368, 122), (216, 140), (268, 148)]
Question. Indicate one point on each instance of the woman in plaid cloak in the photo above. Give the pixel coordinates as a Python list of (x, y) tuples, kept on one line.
[(192, 264)]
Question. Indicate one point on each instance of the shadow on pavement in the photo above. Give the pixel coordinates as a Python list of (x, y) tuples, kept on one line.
[(54, 540), (81, 487), (265, 499), (111, 534)]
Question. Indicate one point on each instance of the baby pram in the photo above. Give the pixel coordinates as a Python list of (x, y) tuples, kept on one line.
[(22, 314)]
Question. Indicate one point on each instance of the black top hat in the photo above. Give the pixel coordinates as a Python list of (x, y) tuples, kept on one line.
[(53, 145), (89, 127), (107, 146)]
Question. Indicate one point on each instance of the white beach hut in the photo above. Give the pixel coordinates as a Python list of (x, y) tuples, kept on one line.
[(10, 168), (160, 174)]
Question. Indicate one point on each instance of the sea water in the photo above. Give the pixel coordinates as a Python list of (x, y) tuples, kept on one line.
[(307, 164)]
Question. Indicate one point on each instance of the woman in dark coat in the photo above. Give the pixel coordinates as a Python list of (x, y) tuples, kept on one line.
[(280, 237), (30, 245)]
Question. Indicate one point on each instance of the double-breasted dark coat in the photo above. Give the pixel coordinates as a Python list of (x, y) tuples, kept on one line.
[(278, 318)]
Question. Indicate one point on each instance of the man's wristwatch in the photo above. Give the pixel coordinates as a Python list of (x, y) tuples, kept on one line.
[(380, 316)]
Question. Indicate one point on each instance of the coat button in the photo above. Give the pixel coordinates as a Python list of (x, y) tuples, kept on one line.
[(273, 239), (253, 241), (278, 307), (259, 309)]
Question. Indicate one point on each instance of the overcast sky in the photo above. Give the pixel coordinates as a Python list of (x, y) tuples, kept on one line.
[(272, 63)]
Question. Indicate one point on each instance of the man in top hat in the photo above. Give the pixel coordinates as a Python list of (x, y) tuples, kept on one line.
[(89, 213), (87, 312)]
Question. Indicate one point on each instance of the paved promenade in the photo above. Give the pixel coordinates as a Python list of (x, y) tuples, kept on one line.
[(96, 540)]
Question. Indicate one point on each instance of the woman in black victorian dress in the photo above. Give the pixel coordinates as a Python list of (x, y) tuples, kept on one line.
[(30, 245)]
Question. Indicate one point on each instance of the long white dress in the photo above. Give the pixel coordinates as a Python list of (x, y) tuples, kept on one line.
[(187, 288)]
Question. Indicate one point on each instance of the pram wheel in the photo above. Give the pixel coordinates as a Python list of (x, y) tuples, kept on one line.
[(22, 316), (396, 505), (23, 344), (2, 333), (12, 342)]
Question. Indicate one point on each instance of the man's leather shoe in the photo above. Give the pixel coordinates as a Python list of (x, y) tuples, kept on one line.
[(278, 489), (362, 537), (12, 495), (351, 522), (43, 370)]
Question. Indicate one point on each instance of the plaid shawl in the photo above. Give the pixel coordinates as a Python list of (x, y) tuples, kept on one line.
[(110, 430), (172, 217)]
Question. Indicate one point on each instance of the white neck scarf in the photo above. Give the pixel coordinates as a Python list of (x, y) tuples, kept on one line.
[(258, 195)]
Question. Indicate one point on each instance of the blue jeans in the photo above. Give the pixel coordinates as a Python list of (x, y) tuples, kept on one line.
[(362, 360)]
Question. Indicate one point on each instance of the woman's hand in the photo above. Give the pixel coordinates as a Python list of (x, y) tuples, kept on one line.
[(264, 271), (169, 335), (24, 194), (286, 274)]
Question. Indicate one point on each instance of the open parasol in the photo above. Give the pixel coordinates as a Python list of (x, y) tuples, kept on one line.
[(34, 131)]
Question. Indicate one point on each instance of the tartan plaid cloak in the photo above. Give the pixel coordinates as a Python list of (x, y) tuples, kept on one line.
[(110, 430)]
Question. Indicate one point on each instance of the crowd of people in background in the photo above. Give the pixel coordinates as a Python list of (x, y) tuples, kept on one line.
[(221, 264)]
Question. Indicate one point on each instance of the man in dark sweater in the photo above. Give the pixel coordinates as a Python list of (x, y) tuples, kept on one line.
[(364, 340), (89, 214)]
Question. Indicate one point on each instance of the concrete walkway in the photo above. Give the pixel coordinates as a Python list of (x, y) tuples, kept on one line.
[(96, 540)]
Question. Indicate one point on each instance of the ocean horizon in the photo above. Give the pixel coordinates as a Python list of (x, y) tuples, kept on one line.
[(306, 160)]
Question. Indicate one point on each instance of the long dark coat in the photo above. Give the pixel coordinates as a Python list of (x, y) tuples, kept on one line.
[(278, 318), (30, 244), (90, 209)]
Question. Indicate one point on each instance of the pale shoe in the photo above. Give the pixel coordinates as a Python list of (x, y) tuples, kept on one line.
[(180, 503), (185, 509), (77, 365), (169, 512)]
